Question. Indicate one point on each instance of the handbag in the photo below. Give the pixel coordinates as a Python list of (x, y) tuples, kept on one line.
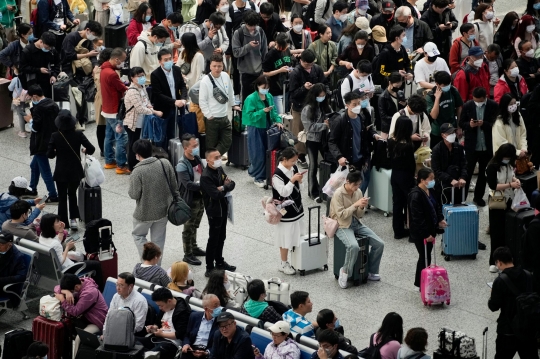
[(179, 212), (456, 344), (93, 173), (50, 308), (497, 201), (330, 226), (220, 97), (185, 68), (287, 138), (524, 165), (302, 136), (271, 214)]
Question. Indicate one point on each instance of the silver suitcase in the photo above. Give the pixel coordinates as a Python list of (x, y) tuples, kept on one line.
[(380, 190)]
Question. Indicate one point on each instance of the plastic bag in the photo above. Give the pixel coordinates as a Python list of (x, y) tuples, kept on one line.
[(336, 180), (94, 173), (116, 14), (520, 200)]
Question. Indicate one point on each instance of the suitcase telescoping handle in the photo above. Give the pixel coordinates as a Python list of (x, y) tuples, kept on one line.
[(318, 226), (176, 125), (285, 83), (484, 344), (462, 195), (425, 250)]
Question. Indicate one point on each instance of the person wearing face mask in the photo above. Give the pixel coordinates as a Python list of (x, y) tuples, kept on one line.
[(461, 45), (148, 270), (145, 52), (501, 178), (509, 127), (10, 56), (393, 57), (529, 67), (54, 16), (425, 218), (270, 23), (277, 66), (142, 20), (298, 38), (510, 82), (360, 11), (148, 185), (474, 72), (326, 319), (257, 306), (504, 35), (92, 31), (338, 21), (442, 22), (358, 50), (172, 23), (417, 31), (391, 101), (484, 23), (20, 212), (325, 51), (431, 64), (494, 60), (386, 18), (328, 346), (201, 328), (13, 268), (526, 30), (415, 110), (360, 79)]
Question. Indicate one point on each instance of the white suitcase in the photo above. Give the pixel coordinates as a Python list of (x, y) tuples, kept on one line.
[(239, 284), (380, 190), (312, 253), (277, 290)]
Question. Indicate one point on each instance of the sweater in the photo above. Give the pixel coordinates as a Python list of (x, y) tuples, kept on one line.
[(342, 207), (485, 32), (196, 70), (145, 56), (153, 274), (20, 230), (208, 104), (249, 58), (283, 189), (313, 122), (253, 111), (503, 134), (112, 89), (326, 54)]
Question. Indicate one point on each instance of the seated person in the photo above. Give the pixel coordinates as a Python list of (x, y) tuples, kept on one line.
[(126, 296), (81, 299), (281, 346), (171, 324), (182, 280), (347, 207), (149, 270), (328, 346), (390, 335), (415, 345), (256, 306), (296, 317), (326, 319), (17, 188), (20, 212), (13, 268), (230, 341), (218, 284), (201, 328)]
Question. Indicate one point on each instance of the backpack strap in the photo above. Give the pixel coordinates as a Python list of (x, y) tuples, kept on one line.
[(145, 46), (350, 81), (512, 286), (212, 80), (326, 7)]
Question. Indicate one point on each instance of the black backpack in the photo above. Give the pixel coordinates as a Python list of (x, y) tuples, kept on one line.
[(336, 94), (377, 77), (373, 351), (98, 236), (127, 66), (308, 15)]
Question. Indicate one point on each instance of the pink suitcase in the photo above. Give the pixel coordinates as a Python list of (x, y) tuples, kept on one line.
[(434, 283)]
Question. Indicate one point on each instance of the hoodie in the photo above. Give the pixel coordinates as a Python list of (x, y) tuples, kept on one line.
[(249, 58), (407, 353), (145, 56), (43, 115), (88, 302), (112, 89), (6, 200)]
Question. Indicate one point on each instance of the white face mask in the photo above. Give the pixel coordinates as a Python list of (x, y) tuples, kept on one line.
[(489, 15), (90, 37), (451, 138), (217, 163), (224, 8), (478, 63), (227, 285), (480, 104), (514, 72), (530, 28), (362, 12), (343, 18), (360, 46), (530, 53), (190, 275), (298, 28), (512, 108), (356, 109)]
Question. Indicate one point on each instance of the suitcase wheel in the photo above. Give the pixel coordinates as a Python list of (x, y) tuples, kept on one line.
[(385, 214), (302, 273), (447, 258), (448, 302), (364, 280), (325, 267), (356, 282), (473, 256)]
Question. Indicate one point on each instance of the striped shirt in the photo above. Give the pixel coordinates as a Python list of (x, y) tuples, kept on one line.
[(153, 274), (299, 324)]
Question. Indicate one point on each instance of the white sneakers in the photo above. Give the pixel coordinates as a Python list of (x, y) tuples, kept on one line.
[(259, 184), (73, 225), (493, 269), (342, 280), (374, 277), (286, 268)]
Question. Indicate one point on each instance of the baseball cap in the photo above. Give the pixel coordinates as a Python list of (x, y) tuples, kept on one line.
[(431, 49), (447, 128), (379, 34), (476, 51), (280, 327), (388, 5), (224, 316), (21, 182), (5, 237), (363, 24), (362, 4)]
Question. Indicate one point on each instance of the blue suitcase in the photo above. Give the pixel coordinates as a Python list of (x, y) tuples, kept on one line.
[(460, 238)]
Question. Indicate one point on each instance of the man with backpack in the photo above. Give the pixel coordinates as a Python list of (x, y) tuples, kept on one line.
[(360, 78), (474, 73), (144, 53), (517, 323)]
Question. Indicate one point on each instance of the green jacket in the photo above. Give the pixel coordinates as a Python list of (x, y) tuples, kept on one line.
[(321, 50), (253, 111), (7, 16)]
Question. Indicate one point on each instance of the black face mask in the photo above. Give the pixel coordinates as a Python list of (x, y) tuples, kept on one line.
[(432, 58), (387, 16), (403, 24)]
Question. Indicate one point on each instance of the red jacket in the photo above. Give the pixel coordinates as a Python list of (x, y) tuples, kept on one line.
[(112, 89), (455, 54), (134, 29), (467, 82), (502, 88)]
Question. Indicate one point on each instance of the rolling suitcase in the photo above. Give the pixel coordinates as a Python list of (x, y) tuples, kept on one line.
[(109, 262), (272, 161), (312, 252), (434, 283), (116, 36), (460, 238), (278, 290), (360, 271), (325, 171), (175, 149), (6, 120), (136, 353), (16, 342), (238, 153), (515, 224), (380, 190), (57, 335), (90, 206)]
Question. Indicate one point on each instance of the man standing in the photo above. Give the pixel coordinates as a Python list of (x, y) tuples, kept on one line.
[(112, 90), (417, 31), (474, 73), (216, 187), (529, 66), (386, 18), (442, 22), (172, 23), (231, 341), (338, 21), (169, 91), (41, 118), (190, 169), (144, 52)]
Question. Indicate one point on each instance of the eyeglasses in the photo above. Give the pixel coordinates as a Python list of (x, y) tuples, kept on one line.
[(226, 326), (276, 335)]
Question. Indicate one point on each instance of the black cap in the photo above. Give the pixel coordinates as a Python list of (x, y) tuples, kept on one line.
[(5, 237), (447, 128), (388, 5), (224, 316)]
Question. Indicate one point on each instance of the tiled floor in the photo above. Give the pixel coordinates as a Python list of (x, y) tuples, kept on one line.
[(249, 247)]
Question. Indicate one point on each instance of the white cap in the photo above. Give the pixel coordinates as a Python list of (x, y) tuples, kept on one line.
[(431, 49), (21, 182), (280, 327)]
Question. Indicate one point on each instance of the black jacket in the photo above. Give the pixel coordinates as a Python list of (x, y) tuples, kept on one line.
[(381, 21), (180, 318), (162, 98), (391, 61), (387, 109), (238, 348), (526, 68), (186, 186), (158, 7), (448, 168), (443, 39), (69, 54), (471, 133), (298, 78), (13, 269), (43, 116), (272, 27), (31, 62), (410, 6), (195, 319), (421, 224), (422, 32), (531, 254), (214, 199), (340, 141), (502, 298), (68, 166)]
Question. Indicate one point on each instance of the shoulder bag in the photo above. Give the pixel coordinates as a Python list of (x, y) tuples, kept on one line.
[(179, 212), (220, 97), (93, 174)]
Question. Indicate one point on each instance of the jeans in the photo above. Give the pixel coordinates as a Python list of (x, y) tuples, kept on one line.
[(112, 137), (40, 166), (257, 146), (218, 133), (506, 347), (189, 234), (482, 158), (217, 234), (297, 126), (421, 264), (313, 150), (158, 232), (348, 237), (67, 191), (401, 182), (132, 137)]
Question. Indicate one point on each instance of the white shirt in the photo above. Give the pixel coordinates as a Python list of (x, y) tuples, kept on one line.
[(167, 326), (425, 129), (362, 83), (55, 244), (208, 104), (170, 79), (424, 71), (136, 302), (279, 186)]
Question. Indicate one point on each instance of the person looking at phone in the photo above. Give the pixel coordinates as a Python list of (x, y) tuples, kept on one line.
[(231, 341), (201, 329), (281, 346), (416, 106), (277, 66), (17, 188), (214, 37), (347, 208), (442, 22), (20, 212)]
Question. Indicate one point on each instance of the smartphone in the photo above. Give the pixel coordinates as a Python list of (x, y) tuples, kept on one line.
[(271, 106), (302, 173), (44, 199), (490, 284), (367, 197), (211, 26)]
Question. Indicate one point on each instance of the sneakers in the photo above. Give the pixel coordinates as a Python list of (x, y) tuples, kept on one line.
[(259, 184), (342, 280), (110, 166), (374, 277), (287, 269), (480, 202), (191, 259), (52, 200), (22, 134), (493, 269), (198, 252), (73, 225), (124, 170), (225, 266), (152, 355)]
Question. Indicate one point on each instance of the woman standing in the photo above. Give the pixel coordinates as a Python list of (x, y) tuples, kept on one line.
[(425, 218), (316, 125), (526, 30), (502, 181), (286, 186), (401, 151), (65, 145), (325, 50), (390, 102), (505, 34), (101, 123), (509, 127), (142, 20), (190, 59), (483, 21), (347, 36), (357, 50), (259, 114), (510, 82), (390, 334), (137, 107)]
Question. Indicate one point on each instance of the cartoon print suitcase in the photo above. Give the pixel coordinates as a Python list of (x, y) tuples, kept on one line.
[(434, 283), (460, 238)]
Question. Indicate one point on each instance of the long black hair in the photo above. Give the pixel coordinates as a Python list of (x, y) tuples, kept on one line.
[(507, 150), (391, 328), (47, 225), (503, 110), (140, 13), (402, 135), (189, 41), (505, 29), (311, 99), (215, 286)]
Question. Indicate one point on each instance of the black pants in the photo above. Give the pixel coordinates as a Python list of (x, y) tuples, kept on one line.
[(482, 158), (508, 345), (401, 182), (248, 87), (497, 219), (421, 264), (216, 239), (235, 75), (67, 191), (313, 150), (132, 137), (100, 133)]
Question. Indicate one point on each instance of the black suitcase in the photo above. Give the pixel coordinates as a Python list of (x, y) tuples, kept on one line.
[(115, 35), (325, 171), (16, 343), (272, 161), (514, 230), (136, 353), (202, 145), (528, 184), (85, 352), (89, 202), (360, 270), (238, 153)]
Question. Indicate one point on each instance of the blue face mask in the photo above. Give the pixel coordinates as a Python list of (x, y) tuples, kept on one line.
[(404, 39), (35, 102), (141, 80), (505, 161), (167, 65), (44, 49), (446, 88), (195, 151), (159, 44), (472, 37), (216, 312), (431, 184), (337, 324), (365, 103), (31, 37), (173, 28), (265, 91), (147, 18), (321, 99), (537, 6)]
